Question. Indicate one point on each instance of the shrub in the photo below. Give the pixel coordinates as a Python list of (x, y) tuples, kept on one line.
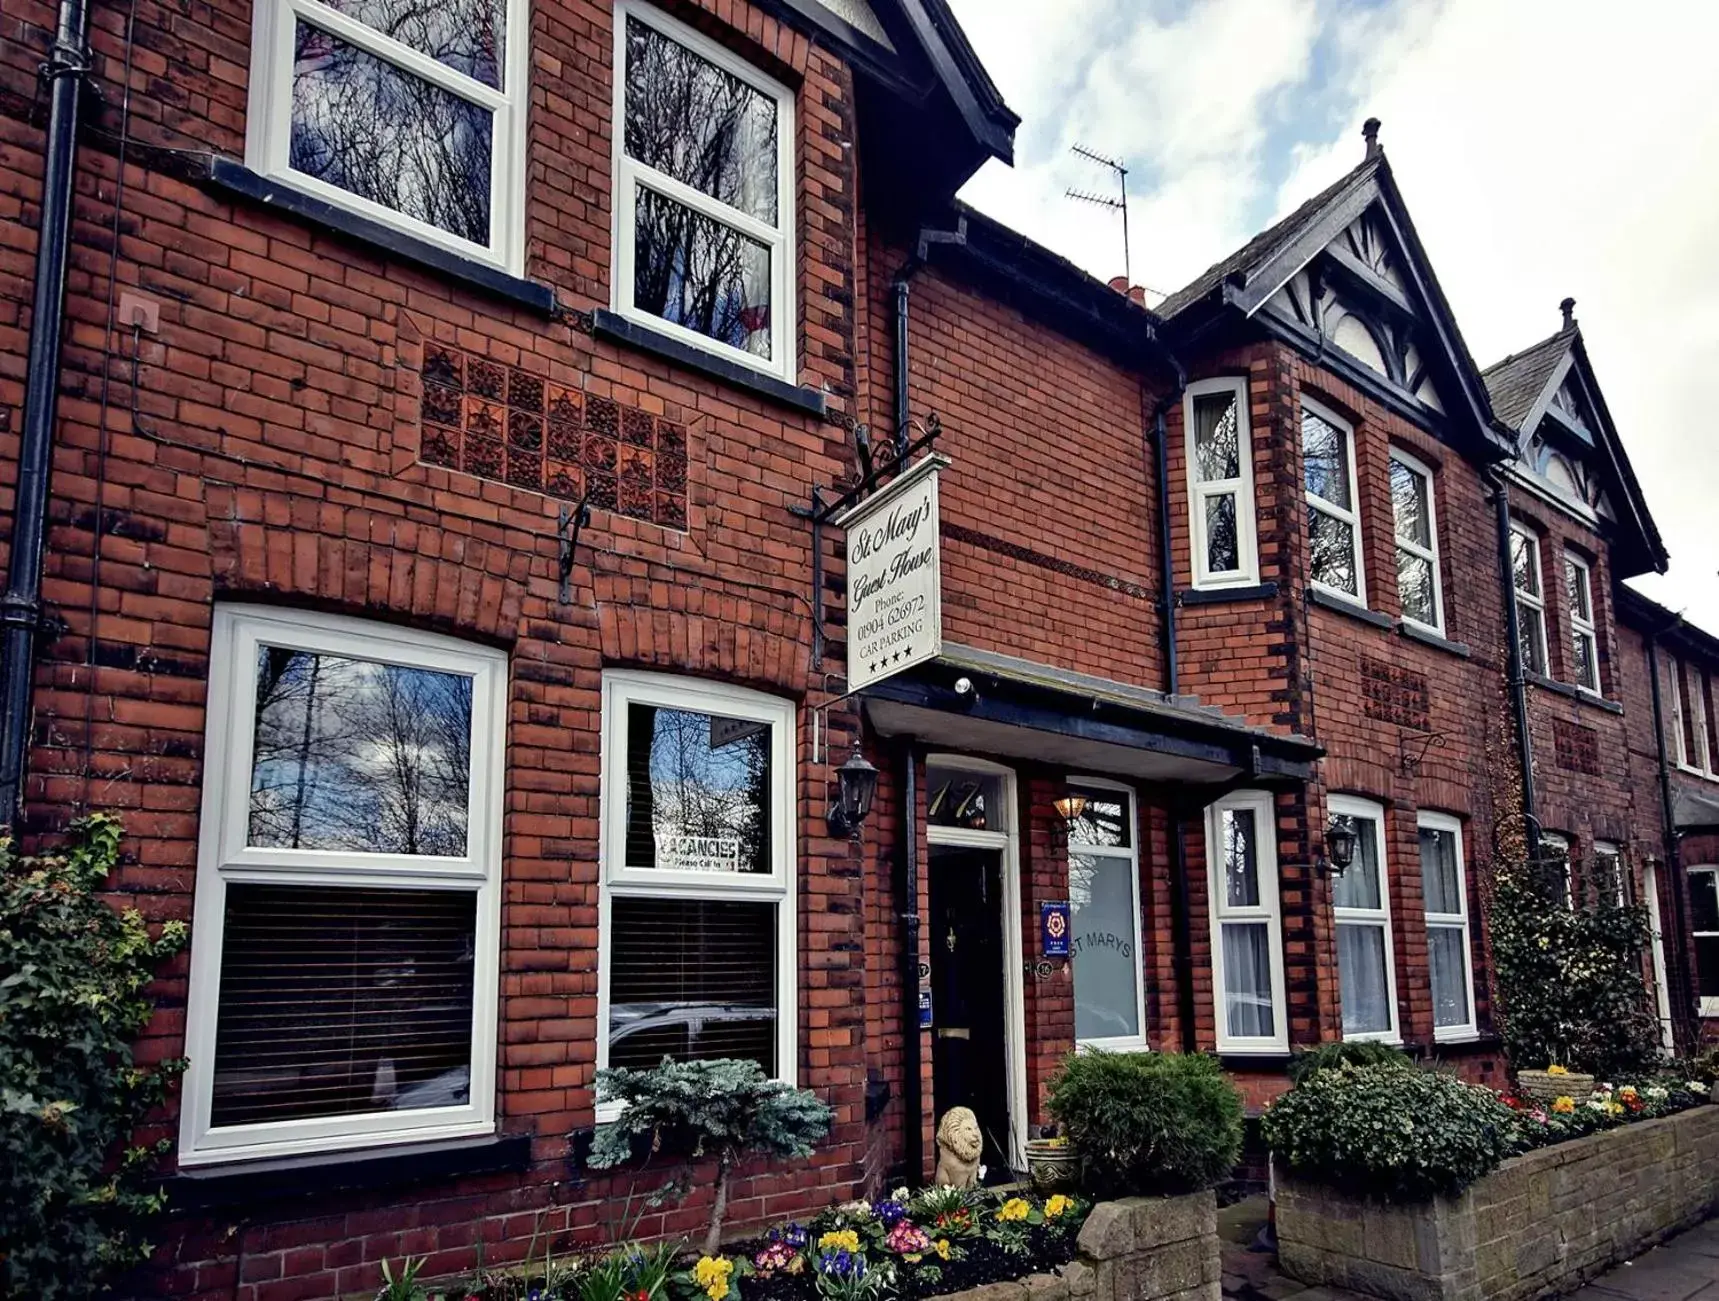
[(1148, 1122), (724, 1109), (1384, 1132), (73, 970), (1362, 1052)]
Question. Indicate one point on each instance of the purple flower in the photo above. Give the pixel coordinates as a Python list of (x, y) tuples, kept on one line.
[(889, 1213), (795, 1236)]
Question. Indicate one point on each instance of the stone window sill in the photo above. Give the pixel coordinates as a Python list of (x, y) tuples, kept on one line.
[(1325, 601), (1573, 693), (1225, 595), (1428, 638), (616, 328)]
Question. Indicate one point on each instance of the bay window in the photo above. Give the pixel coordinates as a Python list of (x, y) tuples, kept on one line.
[(1221, 526), (1414, 513), (1530, 599), (344, 954), (1361, 908), (703, 193), (1444, 889), (1104, 912), (1585, 642), (1333, 519), (1247, 926), (696, 913), (412, 116)]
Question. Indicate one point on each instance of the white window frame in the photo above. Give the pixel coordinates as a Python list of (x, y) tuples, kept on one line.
[(627, 174), (1708, 1006), (1430, 555), (1131, 854), (1457, 921), (1241, 487), (268, 128), (1709, 742), (1535, 600), (1584, 630), (1351, 517), (224, 857), (1603, 848), (1350, 806), (671, 691), (1558, 840), (1269, 911)]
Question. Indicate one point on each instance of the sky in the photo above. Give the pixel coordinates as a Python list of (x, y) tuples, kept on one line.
[(1545, 148)]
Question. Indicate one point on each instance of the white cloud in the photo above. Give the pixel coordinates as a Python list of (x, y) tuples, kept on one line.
[(1545, 147)]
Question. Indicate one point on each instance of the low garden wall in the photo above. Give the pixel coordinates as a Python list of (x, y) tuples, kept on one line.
[(1137, 1249), (1542, 1223)]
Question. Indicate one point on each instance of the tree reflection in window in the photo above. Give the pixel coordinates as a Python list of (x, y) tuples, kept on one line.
[(698, 791), (368, 127), (356, 755), (694, 271), (469, 36)]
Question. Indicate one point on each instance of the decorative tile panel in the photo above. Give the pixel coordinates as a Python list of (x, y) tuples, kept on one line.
[(1396, 695), (1577, 747), (517, 428)]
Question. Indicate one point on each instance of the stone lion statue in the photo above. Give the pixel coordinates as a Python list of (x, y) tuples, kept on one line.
[(959, 1145)]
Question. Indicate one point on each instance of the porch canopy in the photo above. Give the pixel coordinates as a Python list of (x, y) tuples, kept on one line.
[(1020, 709)]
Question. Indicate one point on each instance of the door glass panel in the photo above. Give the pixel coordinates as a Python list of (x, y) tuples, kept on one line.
[(969, 800)]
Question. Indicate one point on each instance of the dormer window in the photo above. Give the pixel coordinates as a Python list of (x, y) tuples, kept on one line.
[(704, 195)]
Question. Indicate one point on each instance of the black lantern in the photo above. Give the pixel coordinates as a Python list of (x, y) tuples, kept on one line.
[(1340, 841), (857, 781)]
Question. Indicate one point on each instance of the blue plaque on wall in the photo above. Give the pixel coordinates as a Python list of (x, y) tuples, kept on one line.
[(1053, 929), (925, 1009)]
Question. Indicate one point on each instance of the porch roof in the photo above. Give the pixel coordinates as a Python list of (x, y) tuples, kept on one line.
[(1022, 709)]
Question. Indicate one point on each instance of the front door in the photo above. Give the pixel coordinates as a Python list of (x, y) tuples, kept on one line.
[(968, 1057)]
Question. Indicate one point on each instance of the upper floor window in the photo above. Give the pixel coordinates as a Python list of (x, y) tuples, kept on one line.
[(347, 923), (1691, 717), (703, 193), (1530, 599), (1247, 926), (1220, 484), (1333, 520), (697, 948), (1584, 638), (1418, 582), (411, 115), (1361, 908), (1104, 905)]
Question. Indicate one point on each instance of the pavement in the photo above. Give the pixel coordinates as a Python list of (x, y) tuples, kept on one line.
[(1685, 1268)]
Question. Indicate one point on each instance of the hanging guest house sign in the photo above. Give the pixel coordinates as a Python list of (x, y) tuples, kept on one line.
[(895, 603)]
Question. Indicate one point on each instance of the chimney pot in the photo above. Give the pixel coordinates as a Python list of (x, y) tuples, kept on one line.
[(1138, 294), (1370, 133), (1568, 308), (1119, 284)]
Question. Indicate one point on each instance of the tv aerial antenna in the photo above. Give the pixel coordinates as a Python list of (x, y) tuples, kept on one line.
[(1115, 204)]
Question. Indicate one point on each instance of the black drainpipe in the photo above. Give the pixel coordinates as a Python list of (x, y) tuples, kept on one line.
[(912, 1097), (21, 606), (1518, 679), (901, 286), (1680, 1006)]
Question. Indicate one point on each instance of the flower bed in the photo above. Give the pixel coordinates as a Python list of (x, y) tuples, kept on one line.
[(1541, 1124)]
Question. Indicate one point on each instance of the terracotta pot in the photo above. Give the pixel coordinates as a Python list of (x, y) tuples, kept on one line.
[(1543, 1086)]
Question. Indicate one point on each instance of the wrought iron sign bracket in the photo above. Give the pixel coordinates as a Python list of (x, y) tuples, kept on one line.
[(568, 526), (875, 472)]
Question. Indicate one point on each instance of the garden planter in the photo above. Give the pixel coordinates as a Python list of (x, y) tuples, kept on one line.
[(1540, 1224), (1543, 1086), (1052, 1164)]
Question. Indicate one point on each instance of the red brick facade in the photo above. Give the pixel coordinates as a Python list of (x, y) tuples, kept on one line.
[(319, 422)]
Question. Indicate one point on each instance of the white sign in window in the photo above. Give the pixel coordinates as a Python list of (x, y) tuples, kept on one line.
[(895, 587), (1247, 928), (1104, 912)]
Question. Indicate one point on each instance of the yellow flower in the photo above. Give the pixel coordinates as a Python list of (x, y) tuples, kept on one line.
[(845, 1238), (711, 1273), (1614, 1108), (1057, 1205), (1557, 1070), (1015, 1208), (1564, 1106), (942, 1245)]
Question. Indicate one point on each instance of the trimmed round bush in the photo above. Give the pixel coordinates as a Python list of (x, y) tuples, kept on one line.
[(1392, 1134), (1148, 1122), (1361, 1052)]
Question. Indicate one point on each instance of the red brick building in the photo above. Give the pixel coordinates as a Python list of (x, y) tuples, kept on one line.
[(439, 415)]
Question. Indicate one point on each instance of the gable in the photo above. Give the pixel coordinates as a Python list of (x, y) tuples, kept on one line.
[(858, 15), (1357, 294)]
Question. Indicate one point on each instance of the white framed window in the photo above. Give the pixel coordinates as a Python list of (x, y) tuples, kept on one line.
[(344, 950), (1704, 923), (1334, 562), (410, 115), (1361, 909), (1584, 639), (1689, 717), (1555, 860), (1709, 720), (1222, 531), (1419, 586), (1104, 915), (1247, 924), (1609, 878), (1530, 598), (703, 193), (697, 949), (1444, 889)]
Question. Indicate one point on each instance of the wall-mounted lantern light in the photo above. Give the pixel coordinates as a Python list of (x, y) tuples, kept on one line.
[(1340, 842), (856, 786), (1070, 808)]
